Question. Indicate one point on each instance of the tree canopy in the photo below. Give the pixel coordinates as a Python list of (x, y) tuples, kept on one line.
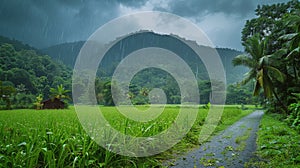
[(272, 46)]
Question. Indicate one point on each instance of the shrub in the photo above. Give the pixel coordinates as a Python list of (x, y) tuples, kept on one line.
[(294, 118), (23, 101), (38, 102)]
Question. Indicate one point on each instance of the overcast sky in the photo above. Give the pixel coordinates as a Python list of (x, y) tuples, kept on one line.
[(43, 23)]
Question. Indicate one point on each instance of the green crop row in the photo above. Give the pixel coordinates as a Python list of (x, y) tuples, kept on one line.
[(55, 138)]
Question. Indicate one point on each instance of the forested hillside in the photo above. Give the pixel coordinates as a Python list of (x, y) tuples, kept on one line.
[(18, 45), (32, 73), (65, 53), (29, 73), (68, 52)]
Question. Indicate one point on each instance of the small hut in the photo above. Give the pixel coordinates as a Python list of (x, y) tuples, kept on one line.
[(53, 104)]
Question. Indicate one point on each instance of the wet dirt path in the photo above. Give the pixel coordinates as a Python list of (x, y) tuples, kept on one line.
[(232, 147)]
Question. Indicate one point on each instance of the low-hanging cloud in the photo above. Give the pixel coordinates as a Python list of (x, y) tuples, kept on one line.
[(195, 7)]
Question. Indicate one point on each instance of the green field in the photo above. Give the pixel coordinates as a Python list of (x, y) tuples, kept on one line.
[(55, 138), (278, 144)]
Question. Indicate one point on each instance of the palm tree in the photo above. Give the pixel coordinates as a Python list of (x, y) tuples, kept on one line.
[(265, 74), (260, 67), (59, 92), (254, 47)]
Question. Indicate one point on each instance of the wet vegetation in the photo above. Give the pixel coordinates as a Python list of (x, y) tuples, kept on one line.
[(55, 138), (272, 43), (31, 137)]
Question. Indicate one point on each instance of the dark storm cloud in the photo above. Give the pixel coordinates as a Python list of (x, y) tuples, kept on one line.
[(42, 23), (192, 8), (133, 3), (195, 7)]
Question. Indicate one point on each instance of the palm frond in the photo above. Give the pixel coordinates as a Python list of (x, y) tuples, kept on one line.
[(264, 46), (249, 76), (243, 60), (293, 52), (288, 37), (258, 47), (260, 76), (276, 73), (264, 61), (296, 41), (254, 47), (278, 53), (268, 86), (292, 20)]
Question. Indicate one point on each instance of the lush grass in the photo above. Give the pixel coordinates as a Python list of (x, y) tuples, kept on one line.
[(278, 144), (231, 116), (55, 138)]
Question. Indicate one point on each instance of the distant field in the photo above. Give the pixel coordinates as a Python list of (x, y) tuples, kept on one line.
[(55, 138)]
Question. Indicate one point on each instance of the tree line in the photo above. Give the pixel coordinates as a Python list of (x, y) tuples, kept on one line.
[(24, 75), (272, 46), (27, 78)]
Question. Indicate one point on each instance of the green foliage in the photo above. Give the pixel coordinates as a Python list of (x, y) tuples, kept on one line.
[(140, 87), (146, 80), (23, 100), (260, 66), (294, 117), (17, 44), (38, 102), (65, 53), (56, 139), (68, 52), (6, 93), (269, 23), (107, 95), (237, 94), (36, 73), (59, 92), (272, 40), (278, 144)]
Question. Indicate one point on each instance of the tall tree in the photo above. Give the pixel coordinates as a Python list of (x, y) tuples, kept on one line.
[(293, 41), (107, 95), (280, 24), (269, 23), (261, 69), (6, 92)]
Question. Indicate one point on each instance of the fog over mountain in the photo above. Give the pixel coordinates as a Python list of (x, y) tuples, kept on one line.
[(68, 52)]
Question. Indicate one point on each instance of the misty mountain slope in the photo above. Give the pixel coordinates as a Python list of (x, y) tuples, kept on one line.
[(18, 45), (233, 74), (68, 52)]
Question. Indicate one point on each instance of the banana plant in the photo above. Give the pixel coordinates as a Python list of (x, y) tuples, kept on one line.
[(59, 92)]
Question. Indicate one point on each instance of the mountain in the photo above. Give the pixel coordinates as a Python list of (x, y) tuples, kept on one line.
[(125, 45), (18, 45), (233, 74), (66, 52)]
